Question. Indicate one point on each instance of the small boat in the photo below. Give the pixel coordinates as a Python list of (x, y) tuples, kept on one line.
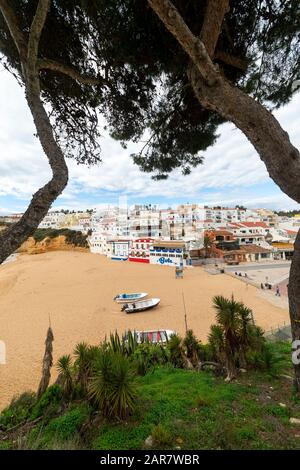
[(152, 336), (140, 306), (121, 298)]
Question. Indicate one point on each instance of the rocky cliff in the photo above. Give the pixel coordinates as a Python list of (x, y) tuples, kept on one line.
[(59, 243)]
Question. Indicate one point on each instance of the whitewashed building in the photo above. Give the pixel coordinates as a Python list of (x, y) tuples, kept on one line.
[(167, 253)]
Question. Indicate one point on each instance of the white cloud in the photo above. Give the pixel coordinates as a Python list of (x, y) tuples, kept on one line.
[(231, 165)]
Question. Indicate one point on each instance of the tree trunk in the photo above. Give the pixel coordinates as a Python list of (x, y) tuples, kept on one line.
[(15, 235), (281, 158), (261, 128), (231, 369), (294, 302), (242, 358)]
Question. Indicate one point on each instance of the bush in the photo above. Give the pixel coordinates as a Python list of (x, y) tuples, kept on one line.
[(264, 359), (176, 351), (48, 402), (66, 426), (18, 410), (161, 436), (192, 346), (147, 355), (73, 237)]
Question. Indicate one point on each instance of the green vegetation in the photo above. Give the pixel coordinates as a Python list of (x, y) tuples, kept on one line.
[(73, 237), (177, 408), (125, 395)]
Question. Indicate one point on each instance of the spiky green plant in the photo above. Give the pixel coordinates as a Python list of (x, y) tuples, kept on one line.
[(176, 351), (216, 342), (65, 369), (227, 314), (245, 316), (83, 363), (112, 387), (192, 346)]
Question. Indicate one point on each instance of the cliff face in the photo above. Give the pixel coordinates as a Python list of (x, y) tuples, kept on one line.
[(59, 243)]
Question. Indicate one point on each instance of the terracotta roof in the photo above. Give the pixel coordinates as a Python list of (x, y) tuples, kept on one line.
[(255, 249), (255, 224)]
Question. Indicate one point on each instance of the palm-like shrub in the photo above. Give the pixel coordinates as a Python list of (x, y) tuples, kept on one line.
[(83, 362), (112, 387), (192, 347), (125, 345), (245, 316), (217, 343), (65, 370), (227, 314), (235, 338)]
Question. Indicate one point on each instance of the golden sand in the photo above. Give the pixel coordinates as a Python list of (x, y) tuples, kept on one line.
[(76, 291)]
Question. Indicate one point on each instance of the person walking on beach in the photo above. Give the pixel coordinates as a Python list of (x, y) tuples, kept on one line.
[(277, 291)]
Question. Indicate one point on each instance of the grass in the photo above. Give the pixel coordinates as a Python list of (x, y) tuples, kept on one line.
[(199, 411), (182, 409)]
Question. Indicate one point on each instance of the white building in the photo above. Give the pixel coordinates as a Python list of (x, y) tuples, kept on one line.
[(167, 253), (98, 243), (118, 249), (53, 220)]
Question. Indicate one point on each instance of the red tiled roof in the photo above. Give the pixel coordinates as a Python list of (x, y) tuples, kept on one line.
[(255, 224)]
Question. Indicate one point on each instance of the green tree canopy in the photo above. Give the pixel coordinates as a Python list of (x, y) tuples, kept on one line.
[(143, 89)]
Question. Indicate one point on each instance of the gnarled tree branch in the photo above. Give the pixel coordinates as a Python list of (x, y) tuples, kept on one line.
[(42, 200), (35, 33), (214, 92), (272, 143), (212, 24), (71, 72), (14, 29), (232, 60)]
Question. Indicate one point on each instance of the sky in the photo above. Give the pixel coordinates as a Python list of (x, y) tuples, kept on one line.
[(232, 172)]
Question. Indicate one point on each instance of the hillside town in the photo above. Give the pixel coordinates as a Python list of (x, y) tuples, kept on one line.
[(189, 233)]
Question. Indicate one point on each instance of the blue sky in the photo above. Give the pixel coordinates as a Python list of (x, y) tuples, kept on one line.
[(232, 172)]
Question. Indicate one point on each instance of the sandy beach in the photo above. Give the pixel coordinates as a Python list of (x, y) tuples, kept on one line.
[(75, 291)]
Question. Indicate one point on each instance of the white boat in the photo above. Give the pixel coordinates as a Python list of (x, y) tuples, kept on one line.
[(121, 298), (140, 306), (161, 336)]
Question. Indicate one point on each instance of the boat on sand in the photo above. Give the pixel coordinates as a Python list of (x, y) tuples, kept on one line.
[(140, 306), (120, 298)]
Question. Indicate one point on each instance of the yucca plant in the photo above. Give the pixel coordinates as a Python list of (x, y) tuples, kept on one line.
[(65, 369), (115, 343), (84, 355), (112, 387), (245, 316), (192, 346), (227, 313), (217, 343)]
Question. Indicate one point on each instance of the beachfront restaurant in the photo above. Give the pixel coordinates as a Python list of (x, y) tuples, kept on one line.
[(167, 253)]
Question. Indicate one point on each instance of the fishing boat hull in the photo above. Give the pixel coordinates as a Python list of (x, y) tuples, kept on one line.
[(140, 306), (129, 298)]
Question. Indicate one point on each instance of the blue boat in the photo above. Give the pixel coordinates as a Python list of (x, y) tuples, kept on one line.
[(120, 298)]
